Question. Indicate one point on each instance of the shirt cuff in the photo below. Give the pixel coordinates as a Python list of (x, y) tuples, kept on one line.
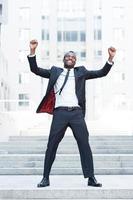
[(31, 55), (110, 63)]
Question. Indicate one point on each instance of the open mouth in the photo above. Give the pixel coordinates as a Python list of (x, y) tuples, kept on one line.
[(70, 62)]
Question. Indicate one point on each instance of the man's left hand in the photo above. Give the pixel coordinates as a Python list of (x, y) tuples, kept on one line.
[(111, 52)]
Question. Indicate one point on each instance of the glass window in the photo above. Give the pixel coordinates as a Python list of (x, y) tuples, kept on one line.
[(97, 34), (45, 34), (0, 9), (24, 99), (82, 36), (45, 25), (24, 78), (45, 21), (45, 54), (97, 27), (59, 36), (20, 78), (97, 53), (70, 36), (82, 55), (98, 21), (123, 76)]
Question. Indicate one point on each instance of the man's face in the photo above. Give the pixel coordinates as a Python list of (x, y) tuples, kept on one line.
[(69, 60)]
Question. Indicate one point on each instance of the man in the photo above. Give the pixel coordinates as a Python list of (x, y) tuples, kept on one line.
[(65, 99)]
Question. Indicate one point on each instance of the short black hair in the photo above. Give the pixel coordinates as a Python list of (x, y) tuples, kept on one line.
[(68, 53)]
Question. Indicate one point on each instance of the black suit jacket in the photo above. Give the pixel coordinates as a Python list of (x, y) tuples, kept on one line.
[(81, 75)]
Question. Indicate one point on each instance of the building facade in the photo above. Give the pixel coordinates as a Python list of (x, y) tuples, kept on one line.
[(87, 27), (4, 86)]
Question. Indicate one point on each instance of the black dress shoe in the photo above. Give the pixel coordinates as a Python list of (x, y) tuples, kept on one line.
[(44, 182), (93, 182)]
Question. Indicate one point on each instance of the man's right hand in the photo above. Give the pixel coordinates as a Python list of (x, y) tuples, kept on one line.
[(33, 46)]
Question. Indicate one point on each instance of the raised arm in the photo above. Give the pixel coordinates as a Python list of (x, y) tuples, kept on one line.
[(90, 74), (32, 61)]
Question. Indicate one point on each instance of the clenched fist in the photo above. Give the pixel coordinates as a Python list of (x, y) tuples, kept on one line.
[(111, 52), (33, 46)]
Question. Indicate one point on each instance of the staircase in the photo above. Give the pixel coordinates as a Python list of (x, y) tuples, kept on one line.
[(21, 156)]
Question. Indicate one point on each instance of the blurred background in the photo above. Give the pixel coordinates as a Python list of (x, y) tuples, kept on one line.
[(87, 27)]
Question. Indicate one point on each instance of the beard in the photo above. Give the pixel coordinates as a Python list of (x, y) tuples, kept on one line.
[(69, 65)]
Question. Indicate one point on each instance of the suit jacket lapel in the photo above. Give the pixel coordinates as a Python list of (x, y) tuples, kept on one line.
[(55, 76), (59, 71), (76, 73), (76, 78)]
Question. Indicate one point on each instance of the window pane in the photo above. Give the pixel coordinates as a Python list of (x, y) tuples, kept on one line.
[(45, 34), (0, 9), (59, 36), (23, 97), (82, 55), (24, 78), (97, 34), (70, 36), (97, 53), (82, 36)]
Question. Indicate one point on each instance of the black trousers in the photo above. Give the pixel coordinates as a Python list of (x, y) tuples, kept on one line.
[(73, 118)]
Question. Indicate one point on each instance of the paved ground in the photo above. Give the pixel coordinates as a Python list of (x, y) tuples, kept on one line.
[(62, 182)]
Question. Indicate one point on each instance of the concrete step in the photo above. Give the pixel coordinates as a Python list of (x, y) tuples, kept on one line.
[(66, 187), (67, 157), (122, 158), (64, 199), (68, 140), (70, 137), (25, 147), (65, 164), (65, 171), (64, 151), (66, 143), (63, 144), (38, 144)]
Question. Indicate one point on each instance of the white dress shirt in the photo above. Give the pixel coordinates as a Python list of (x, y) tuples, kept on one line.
[(68, 96)]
